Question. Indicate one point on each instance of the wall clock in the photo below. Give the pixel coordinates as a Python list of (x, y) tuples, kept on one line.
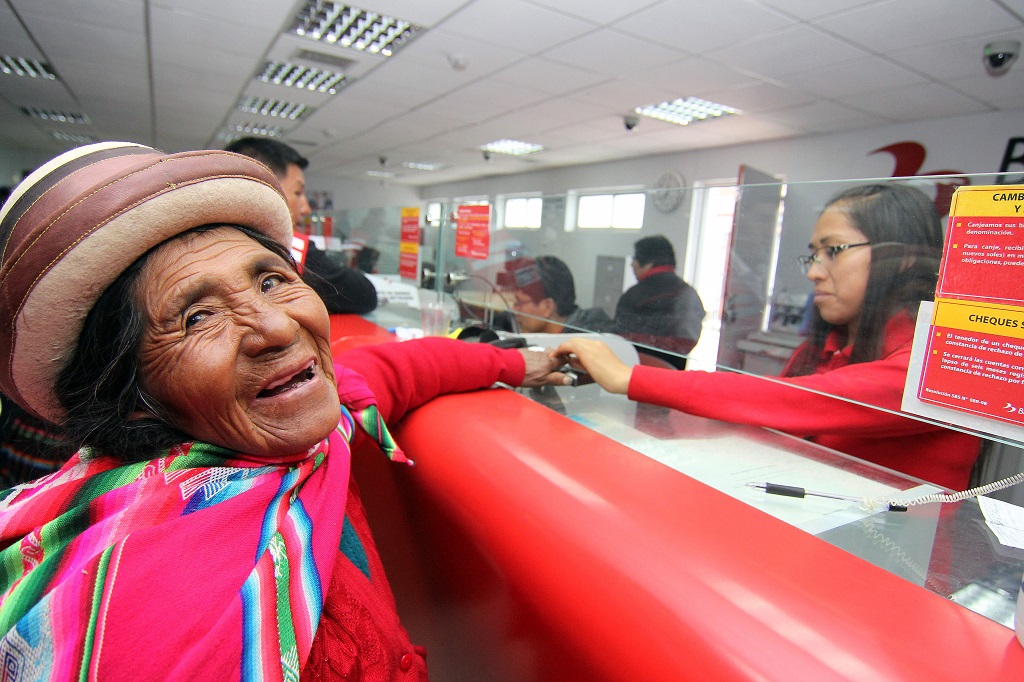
[(667, 193)]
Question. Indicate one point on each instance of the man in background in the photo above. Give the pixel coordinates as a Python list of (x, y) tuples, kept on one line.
[(545, 300), (660, 310), (343, 289)]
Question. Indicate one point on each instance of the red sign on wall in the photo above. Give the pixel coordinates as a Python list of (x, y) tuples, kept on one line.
[(473, 232), (409, 244)]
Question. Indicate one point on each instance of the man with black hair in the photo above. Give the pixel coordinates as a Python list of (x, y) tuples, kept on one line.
[(545, 300), (343, 289), (660, 310)]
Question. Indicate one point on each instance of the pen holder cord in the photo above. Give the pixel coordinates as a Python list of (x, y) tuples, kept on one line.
[(873, 503)]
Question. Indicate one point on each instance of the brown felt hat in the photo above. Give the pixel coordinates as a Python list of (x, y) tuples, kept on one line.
[(76, 223)]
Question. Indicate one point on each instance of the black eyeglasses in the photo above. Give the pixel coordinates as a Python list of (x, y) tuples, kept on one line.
[(830, 252)]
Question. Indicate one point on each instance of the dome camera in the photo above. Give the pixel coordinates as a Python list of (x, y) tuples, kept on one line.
[(630, 121), (1000, 55)]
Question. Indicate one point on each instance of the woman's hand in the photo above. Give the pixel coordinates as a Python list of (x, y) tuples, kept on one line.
[(599, 361), (540, 369)]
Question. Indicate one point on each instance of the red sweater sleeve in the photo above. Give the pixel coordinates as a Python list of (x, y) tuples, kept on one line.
[(405, 375), (779, 403)]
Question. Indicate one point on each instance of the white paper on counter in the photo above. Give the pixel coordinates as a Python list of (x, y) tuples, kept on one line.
[(1005, 520)]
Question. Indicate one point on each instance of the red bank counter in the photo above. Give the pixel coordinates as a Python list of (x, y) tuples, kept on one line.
[(527, 545)]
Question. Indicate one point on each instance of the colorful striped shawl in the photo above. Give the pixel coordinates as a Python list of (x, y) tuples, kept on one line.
[(197, 565)]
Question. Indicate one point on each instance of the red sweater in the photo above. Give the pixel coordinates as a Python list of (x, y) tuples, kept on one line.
[(917, 448), (360, 637)]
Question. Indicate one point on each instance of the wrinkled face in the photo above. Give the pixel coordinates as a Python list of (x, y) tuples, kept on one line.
[(236, 347), (839, 283), (294, 186)]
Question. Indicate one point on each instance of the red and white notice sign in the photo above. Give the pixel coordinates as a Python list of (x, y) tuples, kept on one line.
[(974, 358), (473, 231), (409, 244)]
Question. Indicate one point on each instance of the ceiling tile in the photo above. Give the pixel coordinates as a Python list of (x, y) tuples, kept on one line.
[(695, 76), (954, 59), (906, 104), (814, 9), (787, 51), (548, 76), (525, 27), (883, 27), (697, 27), (601, 13), (852, 77), (612, 53)]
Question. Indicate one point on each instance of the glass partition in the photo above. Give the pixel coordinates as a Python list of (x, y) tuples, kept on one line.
[(769, 266), (765, 283)]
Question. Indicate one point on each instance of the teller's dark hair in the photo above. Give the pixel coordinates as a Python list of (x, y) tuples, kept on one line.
[(100, 386), (905, 234)]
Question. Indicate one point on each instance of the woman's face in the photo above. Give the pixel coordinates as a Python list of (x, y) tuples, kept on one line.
[(236, 347), (839, 283)]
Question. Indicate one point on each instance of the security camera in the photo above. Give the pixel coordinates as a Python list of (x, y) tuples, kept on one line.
[(383, 160), (630, 121), (487, 155), (1000, 55)]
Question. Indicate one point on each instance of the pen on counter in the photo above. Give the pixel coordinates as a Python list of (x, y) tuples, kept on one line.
[(795, 491)]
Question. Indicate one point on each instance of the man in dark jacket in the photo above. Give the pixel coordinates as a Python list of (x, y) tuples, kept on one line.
[(660, 310), (343, 289)]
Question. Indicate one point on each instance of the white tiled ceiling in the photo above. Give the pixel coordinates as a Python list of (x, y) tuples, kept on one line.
[(562, 73)]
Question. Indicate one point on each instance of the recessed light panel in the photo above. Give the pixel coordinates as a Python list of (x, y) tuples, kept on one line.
[(336, 24), (305, 77), (415, 165), (19, 66), (74, 139), (380, 174), (249, 128), (52, 116), (273, 107), (513, 147), (685, 111)]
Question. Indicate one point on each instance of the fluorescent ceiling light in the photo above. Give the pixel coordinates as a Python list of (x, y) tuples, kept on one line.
[(422, 166), (19, 66), (70, 137), (513, 147), (53, 116), (273, 107), (380, 174), (684, 111), (336, 24), (305, 77), (249, 128)]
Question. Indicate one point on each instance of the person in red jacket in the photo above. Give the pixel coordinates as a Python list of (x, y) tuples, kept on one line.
[(207, 526), (874, 255)]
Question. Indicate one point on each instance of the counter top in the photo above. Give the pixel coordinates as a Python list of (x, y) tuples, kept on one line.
[(570, 534)]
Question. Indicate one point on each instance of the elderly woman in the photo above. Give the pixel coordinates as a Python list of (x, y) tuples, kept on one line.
[(207, 528)]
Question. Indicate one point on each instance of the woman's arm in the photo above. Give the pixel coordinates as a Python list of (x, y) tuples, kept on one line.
[(405, 375), (803, 406)]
